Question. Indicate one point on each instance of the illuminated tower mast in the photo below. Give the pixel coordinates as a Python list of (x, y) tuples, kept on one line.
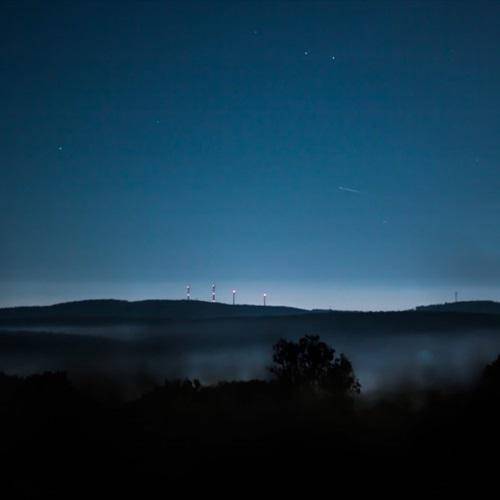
[(264, 298), (213, 292), (188, 292), (234, 297)]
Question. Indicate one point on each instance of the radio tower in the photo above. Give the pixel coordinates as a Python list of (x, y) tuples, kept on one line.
[(213, 292), (234, 297), (188, 292), (264, 298)]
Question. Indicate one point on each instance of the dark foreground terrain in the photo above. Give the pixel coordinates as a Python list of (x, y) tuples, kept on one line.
[(60, 441), (72, 432)]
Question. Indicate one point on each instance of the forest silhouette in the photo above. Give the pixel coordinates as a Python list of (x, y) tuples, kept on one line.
[(305, 422)]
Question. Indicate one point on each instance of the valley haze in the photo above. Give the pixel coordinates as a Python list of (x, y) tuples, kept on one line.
[(127, 341)]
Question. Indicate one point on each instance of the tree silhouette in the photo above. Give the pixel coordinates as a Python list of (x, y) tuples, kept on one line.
[(312, 363), (490, 380)]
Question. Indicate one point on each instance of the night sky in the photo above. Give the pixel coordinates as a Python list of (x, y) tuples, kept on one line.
[(330, 154)]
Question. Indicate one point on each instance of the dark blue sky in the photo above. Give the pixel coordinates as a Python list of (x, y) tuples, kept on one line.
[(146, 145)]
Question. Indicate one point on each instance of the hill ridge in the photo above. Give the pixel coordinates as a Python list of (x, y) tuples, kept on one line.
[(143, 310)]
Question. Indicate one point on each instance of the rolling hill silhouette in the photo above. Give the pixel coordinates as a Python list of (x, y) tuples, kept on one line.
[(472, 306), (123, 311), (199, 317)]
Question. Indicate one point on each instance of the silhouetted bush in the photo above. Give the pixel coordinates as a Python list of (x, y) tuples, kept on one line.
[(313, 364), (490, 379)]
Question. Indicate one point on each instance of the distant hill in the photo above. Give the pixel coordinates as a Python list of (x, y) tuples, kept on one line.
[(103, 312), (471, 307), (123, 311)]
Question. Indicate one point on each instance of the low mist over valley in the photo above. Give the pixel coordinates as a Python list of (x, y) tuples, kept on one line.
[(130, 342)]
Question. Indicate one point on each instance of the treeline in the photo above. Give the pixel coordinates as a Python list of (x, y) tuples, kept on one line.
[(305, 424)]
